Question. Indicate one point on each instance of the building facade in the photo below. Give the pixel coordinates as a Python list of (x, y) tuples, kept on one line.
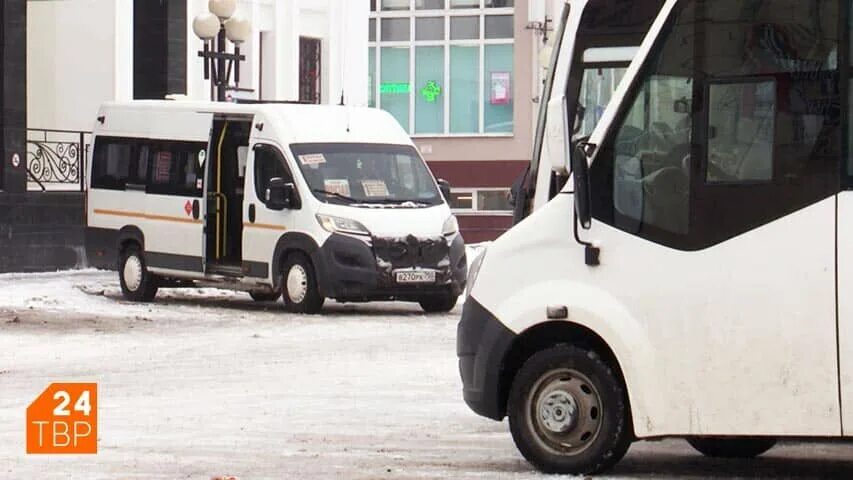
[(82, 53), (463, 77)]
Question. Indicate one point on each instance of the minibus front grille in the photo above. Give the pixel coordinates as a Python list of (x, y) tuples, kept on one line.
[(410, 252)]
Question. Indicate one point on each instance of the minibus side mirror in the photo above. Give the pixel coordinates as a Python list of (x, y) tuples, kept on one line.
[(580, 173), (444, 186), (279, 194)]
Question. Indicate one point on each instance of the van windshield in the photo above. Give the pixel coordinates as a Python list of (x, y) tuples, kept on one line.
[(356, 173)]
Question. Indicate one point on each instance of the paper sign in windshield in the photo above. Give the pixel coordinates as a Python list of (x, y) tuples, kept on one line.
[(312, 159), (341, 187), (374, 188)]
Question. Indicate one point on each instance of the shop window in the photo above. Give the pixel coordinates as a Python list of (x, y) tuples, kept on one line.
[(429, 95), (371, 78), (396, 30), (429, 4), (493, 201), (464, 3), (463, 66), (395, 87), (464, 90), (429, 28), (499, 26), (462, 200), (395, 4), (464, 28), (498, 99)]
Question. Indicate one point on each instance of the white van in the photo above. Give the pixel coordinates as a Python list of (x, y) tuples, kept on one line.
[(692, 278), (305, 201)]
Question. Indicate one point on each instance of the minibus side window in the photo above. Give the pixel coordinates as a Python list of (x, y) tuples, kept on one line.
[(733, 123), (269, 164), (176, 168), (111, 164)]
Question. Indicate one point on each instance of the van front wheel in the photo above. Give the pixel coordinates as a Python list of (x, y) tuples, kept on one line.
[(731, 447), (137, 283), (299, 285), (568, 412)]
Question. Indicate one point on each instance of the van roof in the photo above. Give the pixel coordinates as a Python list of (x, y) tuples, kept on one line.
[(288, 122)]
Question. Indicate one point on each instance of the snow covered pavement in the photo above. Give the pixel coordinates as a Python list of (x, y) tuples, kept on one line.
[(205, 383)]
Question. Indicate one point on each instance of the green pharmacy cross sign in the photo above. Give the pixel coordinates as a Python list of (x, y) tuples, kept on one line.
[(431, 91)]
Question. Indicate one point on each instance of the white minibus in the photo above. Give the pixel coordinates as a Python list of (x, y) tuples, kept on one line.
[(306, 202), (690, 279)]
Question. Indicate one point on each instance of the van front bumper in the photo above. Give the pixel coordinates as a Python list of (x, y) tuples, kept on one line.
[(362, 269), (482, 343)]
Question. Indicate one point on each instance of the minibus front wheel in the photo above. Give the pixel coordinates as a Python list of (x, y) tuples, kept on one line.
[(568, 412), (137, 283), (299, 285)]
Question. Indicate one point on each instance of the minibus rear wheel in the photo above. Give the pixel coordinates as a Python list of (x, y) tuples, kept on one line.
[(299, 285), (137, 283), (731, 447), (568, 412)]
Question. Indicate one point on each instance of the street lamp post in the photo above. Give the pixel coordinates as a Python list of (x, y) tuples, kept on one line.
[(219, 24)]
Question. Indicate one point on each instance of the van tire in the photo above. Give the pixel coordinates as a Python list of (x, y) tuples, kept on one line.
[(299, 285), (569, 395), (137, 283), (731, 447), (261, 296), (439, 303)]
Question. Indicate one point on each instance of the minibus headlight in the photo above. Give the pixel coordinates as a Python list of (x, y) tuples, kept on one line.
[(341, 225), (474, 269), (450, 227)]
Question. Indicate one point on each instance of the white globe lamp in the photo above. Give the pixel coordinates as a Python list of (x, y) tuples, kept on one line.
[(223, 9), (238, 29), (206, 26)]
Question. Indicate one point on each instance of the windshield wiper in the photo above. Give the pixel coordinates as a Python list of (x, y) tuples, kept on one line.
[(336, 195)]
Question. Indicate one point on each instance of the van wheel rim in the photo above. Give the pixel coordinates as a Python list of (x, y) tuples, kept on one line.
[(564, 410), (132, 273), (297, 284)]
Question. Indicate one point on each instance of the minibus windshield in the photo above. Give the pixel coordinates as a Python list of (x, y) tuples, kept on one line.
[(354, 173)]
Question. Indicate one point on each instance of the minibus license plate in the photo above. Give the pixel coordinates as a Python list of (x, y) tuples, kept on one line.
[(416, 276)]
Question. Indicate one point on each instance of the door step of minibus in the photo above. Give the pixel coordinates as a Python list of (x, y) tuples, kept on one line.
[(226, 270)]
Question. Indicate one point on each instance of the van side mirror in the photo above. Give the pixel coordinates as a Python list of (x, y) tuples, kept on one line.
[(580, 173), (280, 194), (444, 186)]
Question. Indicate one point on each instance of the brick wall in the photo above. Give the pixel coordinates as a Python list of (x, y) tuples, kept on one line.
[(41, 232)]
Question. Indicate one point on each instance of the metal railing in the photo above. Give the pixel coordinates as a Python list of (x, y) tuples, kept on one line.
[(56, 159)]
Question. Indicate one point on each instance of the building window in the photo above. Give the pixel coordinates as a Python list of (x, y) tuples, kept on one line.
[(444, 67), (309, 69), (484, 201)]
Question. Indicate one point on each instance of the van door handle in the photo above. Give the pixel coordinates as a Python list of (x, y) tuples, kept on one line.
[(196, 209), (251, 213)]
